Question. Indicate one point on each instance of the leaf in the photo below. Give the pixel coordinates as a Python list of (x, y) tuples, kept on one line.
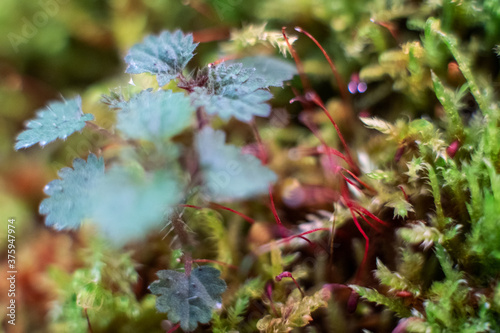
[(57, 120), (164, 55), (70, 196), (372, 295), (155, 116), (229, 174), (401, 206), (127, 204), (235, 313), (482, 93), (416, 165), (188, 299), (394, 280), (295, 313), (451, 101), (447, 264), (420, 233), (233, 91), (272, 70)]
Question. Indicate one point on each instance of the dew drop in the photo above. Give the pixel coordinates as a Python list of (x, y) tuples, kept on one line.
[(353, 86), (43, 143), (362, 87)]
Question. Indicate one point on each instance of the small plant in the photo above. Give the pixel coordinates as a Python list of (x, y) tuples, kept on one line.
[(128, 200)]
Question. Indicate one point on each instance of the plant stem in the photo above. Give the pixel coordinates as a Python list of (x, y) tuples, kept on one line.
[(338, 78), (216, 262), (247, 218), (174, 328), (88, 320), (367, 245), (332, 237), (181, 232), (287, 239), (288, 274), (215, 205), (104, 131), (298, 63)]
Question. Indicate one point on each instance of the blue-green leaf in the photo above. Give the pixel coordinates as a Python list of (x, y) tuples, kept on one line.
[(229, 174), (70, 196), (273, 71), (164, 55), (233, 91), (127, 204), (57, 120), (155, 116), (188, 299)]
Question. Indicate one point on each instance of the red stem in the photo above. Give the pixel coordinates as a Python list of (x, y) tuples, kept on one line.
[(315, 98), (367, 212), (368, 187), (287, 239), (271, 198), (338, 78), (404, 192), (173, 329), (366, 220), (88, 320), (367, 245), (216, 262), (269, 293), (298, 63), (247, 218), (190, 206), (349, 181), (330, 150), (273, 208), (288, 274)]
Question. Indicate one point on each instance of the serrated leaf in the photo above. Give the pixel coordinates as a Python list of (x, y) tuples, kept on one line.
[(272, 71), (395, 305), (127, 204), (447, 264), (155, 116), (56, 120), (416, 165), (188, 300), (233, 91), (235, 312), (70, 196), (451, 101), (229, 174), (401, 206), (164, 55)]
